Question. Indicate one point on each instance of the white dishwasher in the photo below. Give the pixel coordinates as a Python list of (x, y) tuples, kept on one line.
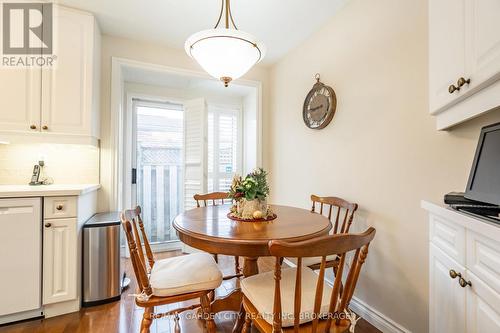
[(20, 259)]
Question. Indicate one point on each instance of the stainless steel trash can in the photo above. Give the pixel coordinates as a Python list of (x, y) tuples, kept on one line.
[(102, 275)]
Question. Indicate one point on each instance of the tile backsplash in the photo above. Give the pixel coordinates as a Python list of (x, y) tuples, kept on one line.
[(65, 164)]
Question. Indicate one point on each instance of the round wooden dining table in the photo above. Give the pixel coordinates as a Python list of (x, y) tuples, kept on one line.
[(211, 230)]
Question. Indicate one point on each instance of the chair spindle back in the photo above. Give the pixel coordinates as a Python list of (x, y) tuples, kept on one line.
[(134, 217), (136, 255), (342, 210), (214, 198), (342, 291)]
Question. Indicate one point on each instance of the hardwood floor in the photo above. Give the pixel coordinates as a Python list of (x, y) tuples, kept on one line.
[(125, 317)]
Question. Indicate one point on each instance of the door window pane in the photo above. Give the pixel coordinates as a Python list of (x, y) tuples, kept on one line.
[(159, 168)]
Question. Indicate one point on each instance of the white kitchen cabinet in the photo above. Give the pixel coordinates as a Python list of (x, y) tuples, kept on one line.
[(447, 308), (44, 256), (464, 272), (464, 59), (20, 102), (68, 90), (58, 103), (446, 49), (59, 264), (483, 306), (482, 42)]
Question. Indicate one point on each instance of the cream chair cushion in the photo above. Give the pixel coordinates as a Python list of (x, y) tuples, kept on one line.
[(185, 274), (308, 261), (259, 289)]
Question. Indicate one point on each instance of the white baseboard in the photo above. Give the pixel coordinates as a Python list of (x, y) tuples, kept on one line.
[(377, 319), (368, 313)]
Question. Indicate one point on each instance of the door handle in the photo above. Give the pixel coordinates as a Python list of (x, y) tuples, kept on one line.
[(48, 225)]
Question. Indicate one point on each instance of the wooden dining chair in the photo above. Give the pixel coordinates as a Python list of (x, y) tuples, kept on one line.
[(216, 198), (302, 301), (171, 280), (341, 214)]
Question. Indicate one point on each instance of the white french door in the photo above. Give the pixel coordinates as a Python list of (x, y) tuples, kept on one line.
[(176, 151), (157, 168)]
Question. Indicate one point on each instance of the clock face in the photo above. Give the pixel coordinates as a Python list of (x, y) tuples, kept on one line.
[(319, 106)]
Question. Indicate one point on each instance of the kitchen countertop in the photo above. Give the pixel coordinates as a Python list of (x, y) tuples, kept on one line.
[(17, 191)]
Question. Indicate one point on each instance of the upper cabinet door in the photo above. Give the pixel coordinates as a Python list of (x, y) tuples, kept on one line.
[(446, 50), (67, 88), (20, 102), (483, 42)]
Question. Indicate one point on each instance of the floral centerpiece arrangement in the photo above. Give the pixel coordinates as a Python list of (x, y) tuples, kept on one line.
[(250, 194)]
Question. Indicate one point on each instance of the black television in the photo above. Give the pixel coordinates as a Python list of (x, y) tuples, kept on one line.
[(484, 178)]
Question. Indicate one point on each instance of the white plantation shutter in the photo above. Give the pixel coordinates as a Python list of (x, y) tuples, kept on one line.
[(195, 150), (224, 147)]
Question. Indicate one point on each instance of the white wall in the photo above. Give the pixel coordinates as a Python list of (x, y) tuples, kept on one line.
[(150, 53), (381, 149)]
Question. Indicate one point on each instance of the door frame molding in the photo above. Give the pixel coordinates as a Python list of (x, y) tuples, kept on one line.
[(118, 108)]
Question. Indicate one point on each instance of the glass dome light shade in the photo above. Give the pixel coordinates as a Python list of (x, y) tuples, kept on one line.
[(226, 54)]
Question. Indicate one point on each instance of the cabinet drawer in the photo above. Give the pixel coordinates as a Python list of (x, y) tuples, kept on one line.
[(59, 207), (483, 259), (449, 237)]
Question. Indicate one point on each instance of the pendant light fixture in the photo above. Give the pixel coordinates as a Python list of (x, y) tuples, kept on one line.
[(225, 53)]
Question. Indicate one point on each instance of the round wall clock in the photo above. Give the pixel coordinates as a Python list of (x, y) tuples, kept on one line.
[(319, 105)]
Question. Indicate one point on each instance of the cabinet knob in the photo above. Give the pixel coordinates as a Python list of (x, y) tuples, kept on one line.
[(464, 283), (33, 127), (461, 82), (45, 127), (452, 89), (454, 274), (59, 207), (48, 225)]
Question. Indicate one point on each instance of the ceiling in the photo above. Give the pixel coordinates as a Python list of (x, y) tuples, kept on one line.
[(280, 24)]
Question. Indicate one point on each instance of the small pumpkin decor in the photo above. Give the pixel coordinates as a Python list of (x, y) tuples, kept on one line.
[(250, 198)]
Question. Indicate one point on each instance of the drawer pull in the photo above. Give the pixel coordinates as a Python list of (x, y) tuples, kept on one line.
[(464, 283), (452, 89), (59, 207), (454, 274), (48, 225), (33, 127), (462, 82)]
